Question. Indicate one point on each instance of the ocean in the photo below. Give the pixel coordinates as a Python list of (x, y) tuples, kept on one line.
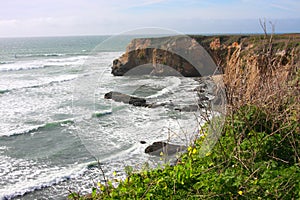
[(55, 123)]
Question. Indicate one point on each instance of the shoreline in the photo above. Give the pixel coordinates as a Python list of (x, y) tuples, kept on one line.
[(189, 177)]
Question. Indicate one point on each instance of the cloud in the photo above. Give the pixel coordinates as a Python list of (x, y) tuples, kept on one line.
[(147, 3), (10, 22), (72, 17), (282, 7), (287, 5)]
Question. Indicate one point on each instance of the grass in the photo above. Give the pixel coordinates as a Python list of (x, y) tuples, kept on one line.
[(258, 154)]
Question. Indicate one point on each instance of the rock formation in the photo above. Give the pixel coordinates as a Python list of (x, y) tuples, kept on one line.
[(120, 97), (179, 56)]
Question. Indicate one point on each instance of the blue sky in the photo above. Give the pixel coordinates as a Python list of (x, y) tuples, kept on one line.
[(99, 17)]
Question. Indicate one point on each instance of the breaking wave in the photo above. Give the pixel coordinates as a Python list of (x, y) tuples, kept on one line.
[(33, 129)]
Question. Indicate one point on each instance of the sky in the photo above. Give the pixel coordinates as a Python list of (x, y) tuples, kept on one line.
[(25, 18)]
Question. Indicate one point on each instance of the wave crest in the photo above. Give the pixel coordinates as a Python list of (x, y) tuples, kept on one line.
[(33, 129)]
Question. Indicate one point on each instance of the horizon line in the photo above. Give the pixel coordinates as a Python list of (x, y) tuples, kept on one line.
[(109, 35)]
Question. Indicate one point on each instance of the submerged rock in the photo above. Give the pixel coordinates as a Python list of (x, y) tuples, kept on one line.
[(189, 108)]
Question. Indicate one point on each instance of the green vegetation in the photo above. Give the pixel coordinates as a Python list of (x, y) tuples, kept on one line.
[(252, 160)]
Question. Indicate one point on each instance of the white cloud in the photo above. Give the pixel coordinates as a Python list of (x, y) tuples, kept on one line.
[(10, 22), (144, 3), (72, 17), (282, 7)]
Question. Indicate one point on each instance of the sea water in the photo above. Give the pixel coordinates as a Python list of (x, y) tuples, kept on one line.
[(55, 123)]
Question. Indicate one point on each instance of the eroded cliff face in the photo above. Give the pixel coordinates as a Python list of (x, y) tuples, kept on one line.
[(249, 63), (255, 66), (181, 56)]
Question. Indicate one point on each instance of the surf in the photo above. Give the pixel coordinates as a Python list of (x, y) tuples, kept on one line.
[(43, 127)]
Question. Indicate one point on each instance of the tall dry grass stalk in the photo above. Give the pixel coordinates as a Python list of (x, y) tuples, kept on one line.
[(267, 77)]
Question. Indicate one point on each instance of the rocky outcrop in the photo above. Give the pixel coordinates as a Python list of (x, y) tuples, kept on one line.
[(154, 62), (176, 56), (135, 101), (120, 97), (141, 102)]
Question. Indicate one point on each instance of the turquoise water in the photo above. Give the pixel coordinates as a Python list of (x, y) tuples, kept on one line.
[(55, 122)]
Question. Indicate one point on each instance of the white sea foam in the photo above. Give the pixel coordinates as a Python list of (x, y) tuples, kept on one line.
[(39, 55), (20, 176), (35, 82), (42, 63), (6, 62), (115, 136), (21, 66), (31, 129), (172, 84), (21, 131)]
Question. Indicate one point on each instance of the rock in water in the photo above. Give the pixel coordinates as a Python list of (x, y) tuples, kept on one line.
[(119, 97), (169, 149)]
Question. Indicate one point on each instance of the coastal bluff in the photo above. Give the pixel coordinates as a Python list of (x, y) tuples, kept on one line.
[(197, 55), (176, 55)]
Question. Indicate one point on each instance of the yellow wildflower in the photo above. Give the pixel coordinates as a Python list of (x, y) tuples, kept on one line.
[(194, 151)]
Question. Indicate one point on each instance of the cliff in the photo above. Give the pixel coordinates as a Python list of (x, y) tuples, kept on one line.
[(190, 55), (178, 55), (245, 60)]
